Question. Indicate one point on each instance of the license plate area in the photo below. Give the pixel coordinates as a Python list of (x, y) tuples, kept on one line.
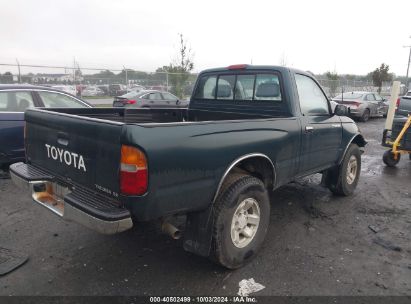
[(50, 195)]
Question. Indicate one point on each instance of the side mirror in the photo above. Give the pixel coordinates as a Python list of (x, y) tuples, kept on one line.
[(341, 110), (177, 101)]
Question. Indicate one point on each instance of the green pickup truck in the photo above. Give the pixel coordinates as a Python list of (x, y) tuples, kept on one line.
[(248, 130)]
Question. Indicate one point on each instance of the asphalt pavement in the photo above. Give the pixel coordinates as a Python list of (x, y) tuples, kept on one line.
[(317, 244)]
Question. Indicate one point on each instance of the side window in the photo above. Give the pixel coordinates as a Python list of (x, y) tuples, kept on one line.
[(155, 96), (267, 87), (57, 100), (225, 87), (3, 101), (370, 97), (15, 101), (168, 96), (244, 87), (206, 87), (312, 99), (378, 97)]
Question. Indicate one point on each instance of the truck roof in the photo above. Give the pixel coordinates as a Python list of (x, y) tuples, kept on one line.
[(250, 67)]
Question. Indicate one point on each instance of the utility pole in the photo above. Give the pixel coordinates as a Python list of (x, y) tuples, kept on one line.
[(18, 65), (408, 67), (74, 69), (125, 70)]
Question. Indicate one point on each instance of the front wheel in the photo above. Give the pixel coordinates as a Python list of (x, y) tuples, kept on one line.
[(343, 180), (241, 218), (365, 116)]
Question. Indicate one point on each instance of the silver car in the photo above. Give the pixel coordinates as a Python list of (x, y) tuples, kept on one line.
[(92, 91), (149, 99), (363, 105)]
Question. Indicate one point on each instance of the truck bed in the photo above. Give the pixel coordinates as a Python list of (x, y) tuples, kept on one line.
[(187, 151), (160, 115)]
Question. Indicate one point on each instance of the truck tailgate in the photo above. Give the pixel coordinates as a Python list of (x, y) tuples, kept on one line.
[(76, 149)]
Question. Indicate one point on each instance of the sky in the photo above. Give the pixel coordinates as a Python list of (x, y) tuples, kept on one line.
[(349, 37)]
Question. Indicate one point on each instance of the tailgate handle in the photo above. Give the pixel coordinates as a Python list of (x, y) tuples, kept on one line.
[(62, 138)]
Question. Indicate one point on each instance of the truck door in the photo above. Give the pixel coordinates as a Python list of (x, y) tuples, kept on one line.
[(372, 104), (157, 101), (321, 130)]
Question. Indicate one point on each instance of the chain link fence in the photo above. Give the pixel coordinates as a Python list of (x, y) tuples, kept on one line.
[(91, 82), (101, 82), (335, 87)]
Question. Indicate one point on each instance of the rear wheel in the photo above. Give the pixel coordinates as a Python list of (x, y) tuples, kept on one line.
[(388, 158), (241, 218), (366, 115)]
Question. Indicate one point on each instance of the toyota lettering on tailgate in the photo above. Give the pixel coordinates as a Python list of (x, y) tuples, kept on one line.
[(69, 158)]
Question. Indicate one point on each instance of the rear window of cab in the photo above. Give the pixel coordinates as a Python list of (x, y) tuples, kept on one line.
[(239, 87)]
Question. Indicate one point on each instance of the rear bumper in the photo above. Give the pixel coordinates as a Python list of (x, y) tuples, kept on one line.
[(72, 204)]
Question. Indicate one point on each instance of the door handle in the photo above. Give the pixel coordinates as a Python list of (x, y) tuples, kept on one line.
[(309, 129)]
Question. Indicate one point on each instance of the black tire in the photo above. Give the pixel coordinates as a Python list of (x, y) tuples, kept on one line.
[(366, 115), (240, 189), (336, 179), (388, 158)]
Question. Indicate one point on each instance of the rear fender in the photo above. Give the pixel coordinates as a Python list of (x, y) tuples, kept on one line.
[(199, 225)]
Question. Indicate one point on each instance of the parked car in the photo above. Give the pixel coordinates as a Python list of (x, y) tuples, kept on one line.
[(104, 88), (14, 100), (92, 91), (149, 99), (136, 88), (248, 130), (363, 105), (117, 89), (66, 88)]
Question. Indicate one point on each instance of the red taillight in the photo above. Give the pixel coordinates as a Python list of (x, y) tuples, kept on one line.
[(356, 103), (398, 102), (237, 67), (130, 101), (133, 171)]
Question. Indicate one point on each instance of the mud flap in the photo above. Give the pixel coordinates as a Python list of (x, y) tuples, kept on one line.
[(330, 177), (199, 232)]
